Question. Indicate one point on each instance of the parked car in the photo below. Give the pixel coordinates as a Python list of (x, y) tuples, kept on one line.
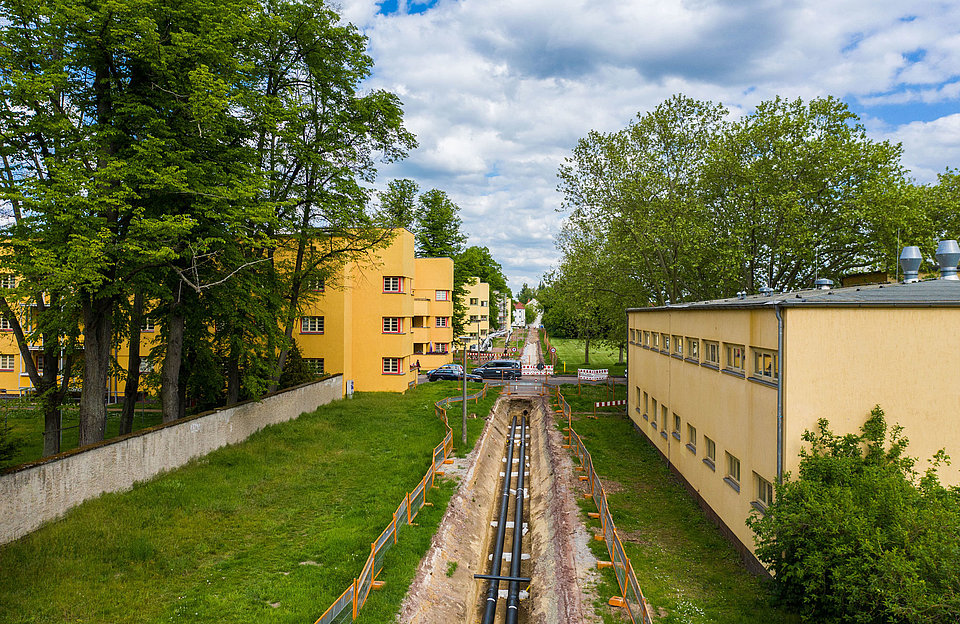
[(452, 372), (499, 369)]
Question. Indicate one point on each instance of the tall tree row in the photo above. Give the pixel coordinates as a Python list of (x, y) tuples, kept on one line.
[(193, 164), (685, 204)]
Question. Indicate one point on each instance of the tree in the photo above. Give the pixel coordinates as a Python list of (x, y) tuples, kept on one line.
[(438, 232), (859, 536), (399, 203), (296, 371), (525, 294)]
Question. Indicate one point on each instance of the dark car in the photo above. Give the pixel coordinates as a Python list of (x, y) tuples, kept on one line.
[(499, 369), (452, 373)]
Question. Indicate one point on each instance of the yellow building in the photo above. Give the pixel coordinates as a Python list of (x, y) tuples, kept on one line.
[(476, 325), (724, 389), (433, 312), (381, 313)]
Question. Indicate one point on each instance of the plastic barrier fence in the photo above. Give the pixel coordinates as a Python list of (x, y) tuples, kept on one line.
[(632, 597), (531, 369), (348, 605), (589, 374)]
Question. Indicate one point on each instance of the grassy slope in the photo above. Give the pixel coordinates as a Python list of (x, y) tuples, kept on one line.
[(285, 518), (570, 351), (682, 562)]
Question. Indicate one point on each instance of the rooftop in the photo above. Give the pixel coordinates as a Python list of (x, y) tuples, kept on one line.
[(928, 293)]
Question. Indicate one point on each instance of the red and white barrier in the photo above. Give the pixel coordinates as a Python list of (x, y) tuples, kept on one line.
[(609, 403), (531, 369), (590, 374)]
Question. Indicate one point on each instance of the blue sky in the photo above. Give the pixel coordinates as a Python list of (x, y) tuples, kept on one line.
[(499, 91)]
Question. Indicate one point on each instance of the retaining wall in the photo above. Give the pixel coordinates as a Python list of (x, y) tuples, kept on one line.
[(35, 493)]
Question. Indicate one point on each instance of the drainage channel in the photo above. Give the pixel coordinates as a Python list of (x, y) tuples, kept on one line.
[(507, 585)]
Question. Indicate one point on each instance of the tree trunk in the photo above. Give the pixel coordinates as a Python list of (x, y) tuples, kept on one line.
[(586, 351), (620, 361), (51, 426), (97, 331), (132, 387), (170, 374), (233, 379)]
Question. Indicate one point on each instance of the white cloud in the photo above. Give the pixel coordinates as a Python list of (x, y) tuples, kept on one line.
[(499, 91)]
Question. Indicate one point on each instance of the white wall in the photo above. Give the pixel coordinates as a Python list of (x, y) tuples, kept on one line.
[(44, 491)]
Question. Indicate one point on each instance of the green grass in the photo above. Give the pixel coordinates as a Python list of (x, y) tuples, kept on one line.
[(582, 399), (270, 530), (26, 427), (570, 356), (683, 564)]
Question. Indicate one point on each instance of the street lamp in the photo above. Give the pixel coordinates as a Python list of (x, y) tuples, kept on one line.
[(463, 436)]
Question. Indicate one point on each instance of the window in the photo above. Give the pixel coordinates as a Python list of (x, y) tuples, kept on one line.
[(655, 338), (678, 345), (663, 420), (391, 325), (735, 357), (646, 339), (443, 295), (733, 472), (711, 454), (764, 491), (146, 365), (711, 352), (315, 283), (392, 284), (314, 365), (311, 325), (483, 304), (691, 438), (474, 318), (676, 426), (5, 324), (474, 300), (440, 347), (483, 317), (633, 335), (665, 342), (391, 366), (653, 415), (39, 363), (7, 280), (147, 324), (6, 362), (693, 348), (765, 363), (443, 321)]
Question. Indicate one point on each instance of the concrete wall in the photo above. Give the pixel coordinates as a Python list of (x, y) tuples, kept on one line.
[(43, 491)]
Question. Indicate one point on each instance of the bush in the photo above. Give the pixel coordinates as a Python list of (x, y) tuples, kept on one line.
[(860, 536), (295, 371)]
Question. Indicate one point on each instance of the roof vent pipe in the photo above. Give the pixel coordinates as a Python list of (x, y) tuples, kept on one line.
[(741, 294), (948, 255), (910, 259), (766, 291), (823, 283)]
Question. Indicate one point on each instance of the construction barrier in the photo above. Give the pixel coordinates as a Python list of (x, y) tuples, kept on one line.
[(531, 369), (607, 404), (348, 605), (589, 374), (631, 597)]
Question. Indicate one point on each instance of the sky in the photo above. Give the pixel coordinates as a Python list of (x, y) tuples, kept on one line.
[(498, 92)]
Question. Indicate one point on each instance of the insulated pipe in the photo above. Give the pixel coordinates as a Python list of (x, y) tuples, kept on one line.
[(493, 592), (513, 597)]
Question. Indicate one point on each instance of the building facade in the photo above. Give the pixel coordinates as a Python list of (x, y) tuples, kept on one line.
[(433, 312), (519, 315), (724, 389), (476, 324)]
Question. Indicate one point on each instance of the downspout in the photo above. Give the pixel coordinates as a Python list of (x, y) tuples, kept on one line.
[(776, 308)]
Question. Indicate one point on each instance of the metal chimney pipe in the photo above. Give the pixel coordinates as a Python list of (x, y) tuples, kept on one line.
[(910, 259), (823, 284), (948, 255)]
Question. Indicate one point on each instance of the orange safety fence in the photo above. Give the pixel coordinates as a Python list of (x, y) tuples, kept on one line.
[(631, 596), (348, 605)]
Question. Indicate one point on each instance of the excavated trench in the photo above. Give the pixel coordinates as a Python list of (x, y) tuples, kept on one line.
[(554, 553)]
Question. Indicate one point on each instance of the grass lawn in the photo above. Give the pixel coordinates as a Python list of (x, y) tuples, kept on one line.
[(683, 564), (570, 356), (270, 530)]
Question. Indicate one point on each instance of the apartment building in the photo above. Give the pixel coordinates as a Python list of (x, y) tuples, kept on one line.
[(384, 315), (724, 389), (476, 325)]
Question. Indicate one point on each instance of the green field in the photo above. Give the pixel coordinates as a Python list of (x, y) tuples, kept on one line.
[(687, 570), (270, 530), (570, 356)]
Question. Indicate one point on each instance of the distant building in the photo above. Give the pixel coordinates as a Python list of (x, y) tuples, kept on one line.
[(724, 389), (519, 315), (476, 325)]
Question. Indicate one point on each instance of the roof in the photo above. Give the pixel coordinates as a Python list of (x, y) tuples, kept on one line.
[(928, 293), (518, 306)]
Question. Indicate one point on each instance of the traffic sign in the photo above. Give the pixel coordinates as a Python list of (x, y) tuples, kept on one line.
[(553, 349)]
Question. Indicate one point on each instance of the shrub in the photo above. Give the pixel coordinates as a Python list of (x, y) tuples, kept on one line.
[(860, 536)]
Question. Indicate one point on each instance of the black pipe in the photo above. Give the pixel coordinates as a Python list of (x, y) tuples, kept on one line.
[(493, 591), (513, 597)]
